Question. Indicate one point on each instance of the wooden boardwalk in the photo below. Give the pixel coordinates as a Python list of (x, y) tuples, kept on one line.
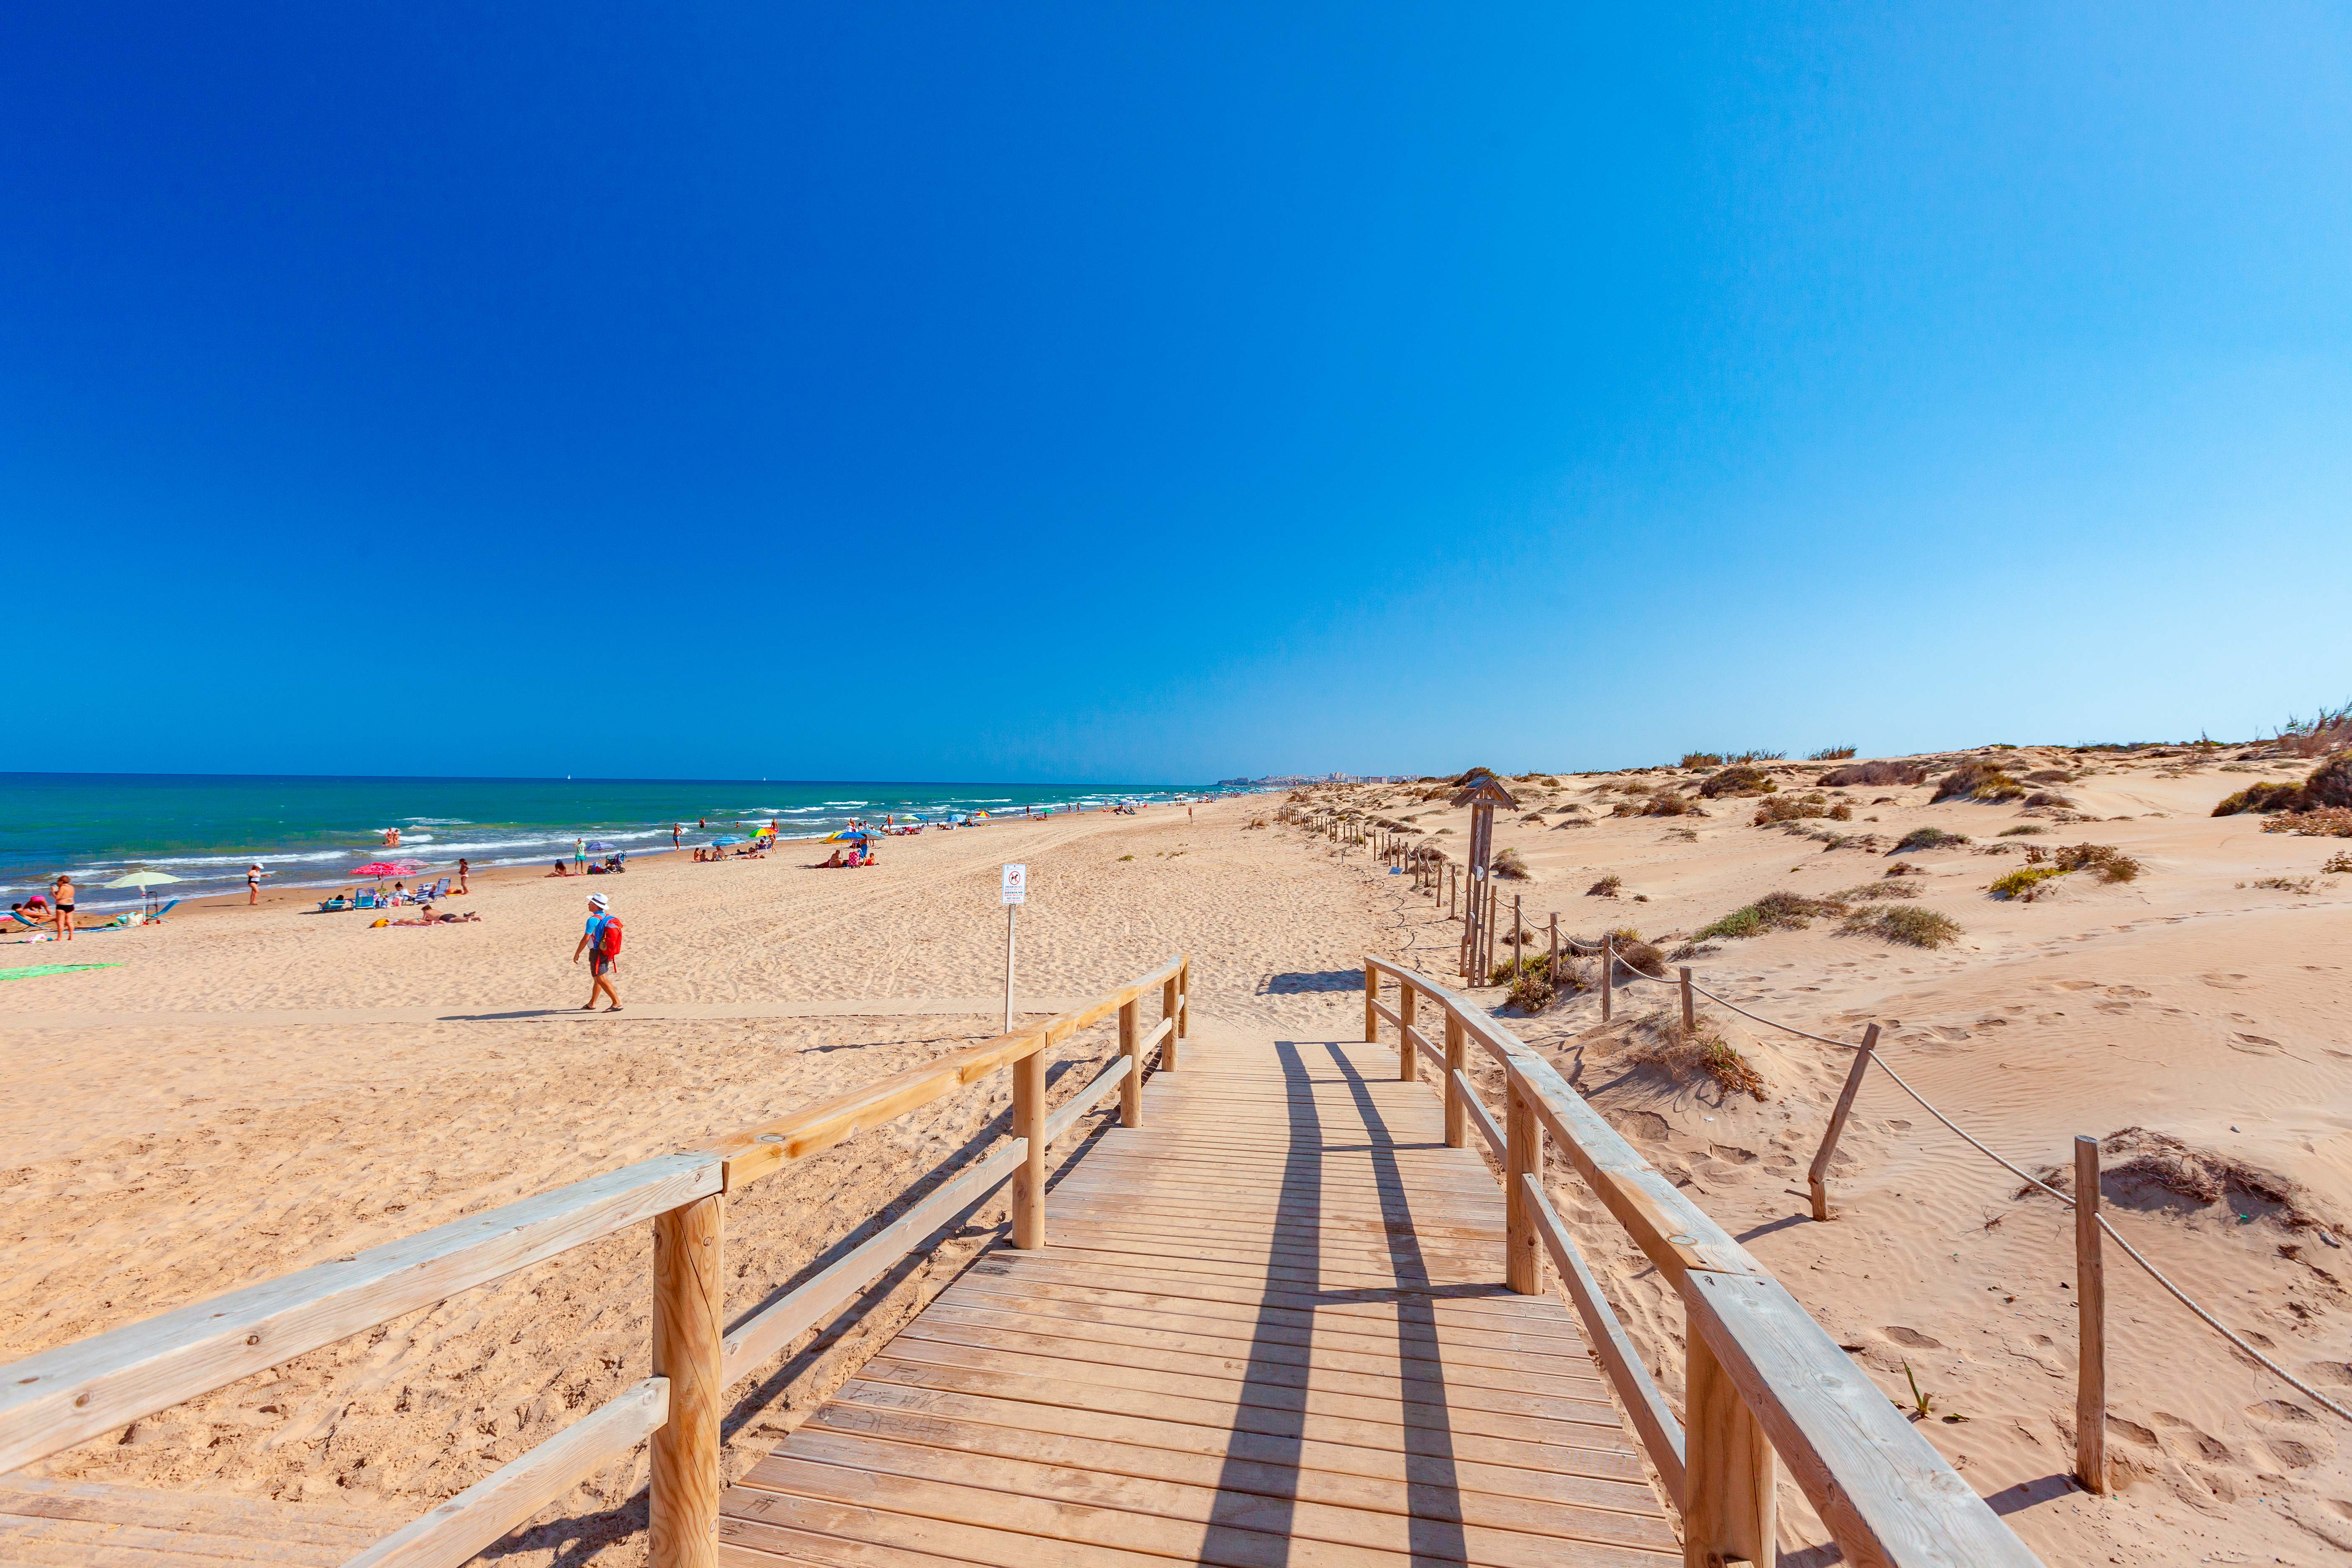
[(1269, 1328), (89, 1525)]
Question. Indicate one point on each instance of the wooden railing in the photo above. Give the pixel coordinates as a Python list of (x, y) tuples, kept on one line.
[(73, 1392), (1764, 1387)]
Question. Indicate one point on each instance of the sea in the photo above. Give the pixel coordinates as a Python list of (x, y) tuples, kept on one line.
[(316, 832)]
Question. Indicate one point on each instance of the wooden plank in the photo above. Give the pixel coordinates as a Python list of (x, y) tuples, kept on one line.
[(765, 1332), (1085, 1100), (1490, 1531), (94, 1543), (1886, 1494), (64, 1396), (458, 1530), (1075, 1507), (1645, 1407), (1591, 1451), (1474, 1112), (213, 1514), (1183, 1430)]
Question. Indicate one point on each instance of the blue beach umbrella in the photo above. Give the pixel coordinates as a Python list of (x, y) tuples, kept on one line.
[(722, 843), (598, 844)]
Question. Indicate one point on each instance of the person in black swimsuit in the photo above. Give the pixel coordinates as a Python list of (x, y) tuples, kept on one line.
[(64, 899)]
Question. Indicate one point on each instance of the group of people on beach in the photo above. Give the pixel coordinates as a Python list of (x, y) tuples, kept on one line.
[(54, 910)]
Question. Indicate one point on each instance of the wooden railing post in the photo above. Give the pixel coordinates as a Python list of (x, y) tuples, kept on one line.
[(689, 1349), (1457, 1118), (1523, 1156), (1184, 1000), (1408, 1054), (1817, 1178), (1371, 1004), (1690, 1008), (1131, 1087), (1551, 968), (1029, 1177), (2091, 1301), (1608, 972), (1729, 1470), (1168, 1010)]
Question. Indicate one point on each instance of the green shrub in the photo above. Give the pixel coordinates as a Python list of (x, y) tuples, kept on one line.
[(1773, 911), (1927, 838), (2025, 883), (1907, 924), (2023, 830), (1738, 780), (2263, 798)]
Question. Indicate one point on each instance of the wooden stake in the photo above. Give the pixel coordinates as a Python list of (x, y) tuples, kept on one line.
[(2091, 1300), (689, 1349), (1371, 1005), (1523, 1156), (1728, 1469), (1029, 1177), (1184, 1001), (1457, 1117), (1690, 1011), (1168, 1010), (1131, 1087), (1551, 971), (1608, 972), (1818, 1177)]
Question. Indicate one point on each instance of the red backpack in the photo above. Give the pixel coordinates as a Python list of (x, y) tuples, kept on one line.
[(608, 941)]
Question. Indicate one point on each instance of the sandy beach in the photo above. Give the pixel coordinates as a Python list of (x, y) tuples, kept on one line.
[(255, 1089)]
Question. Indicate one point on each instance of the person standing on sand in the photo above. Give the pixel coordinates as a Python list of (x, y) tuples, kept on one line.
[(580, 857), (599, 966), (677, 829), (462, 869), (253, 875), (62, 896)]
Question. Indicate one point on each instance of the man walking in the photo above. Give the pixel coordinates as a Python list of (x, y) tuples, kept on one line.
[(595, 943)]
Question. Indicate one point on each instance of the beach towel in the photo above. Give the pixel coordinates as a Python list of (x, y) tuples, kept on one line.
[(27, 971)]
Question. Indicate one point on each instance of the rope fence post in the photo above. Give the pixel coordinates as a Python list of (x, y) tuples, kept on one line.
[(1816, 1178), (1551, 972), (2091, 1300), (1690, 1007), (1608, 972), (1408, 1054)]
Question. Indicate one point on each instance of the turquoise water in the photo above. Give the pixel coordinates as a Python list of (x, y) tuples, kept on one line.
[(314, 832)]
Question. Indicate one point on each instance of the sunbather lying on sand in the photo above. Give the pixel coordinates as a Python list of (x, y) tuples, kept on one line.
[(559, 870)]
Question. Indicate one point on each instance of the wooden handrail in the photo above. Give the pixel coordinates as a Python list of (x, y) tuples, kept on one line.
[(72, 1393), (1764, 1379)]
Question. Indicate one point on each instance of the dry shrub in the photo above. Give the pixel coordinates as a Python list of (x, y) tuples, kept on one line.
[(1702, 759), (2327, 822), (2160, 1163), (2288, 884), (1977, 781), (1254, 822), (1875, 773), (2329, 732), (1906, 924), (1572, 822), (1738, 780), (1609, 886), (1667, 803), (1509, 866), (1831, 754), (2335, 865), (2261, 797), (2022, 830), (1787, 808), (1639, 954), (2049, 776), (2111, 863), (1868, 891), (1688, 1054), (1927, 838), (2044, 797)]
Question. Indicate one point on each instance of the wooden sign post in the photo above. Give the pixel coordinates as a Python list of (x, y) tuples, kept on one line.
[(1482, 792)]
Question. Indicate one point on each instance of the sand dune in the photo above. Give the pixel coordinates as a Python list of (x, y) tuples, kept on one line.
[(255, 1089)]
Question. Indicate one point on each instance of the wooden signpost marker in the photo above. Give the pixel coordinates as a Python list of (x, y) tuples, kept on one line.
[(1482, 792)]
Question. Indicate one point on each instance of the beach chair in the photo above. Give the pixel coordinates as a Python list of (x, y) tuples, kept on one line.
[(162, 909)]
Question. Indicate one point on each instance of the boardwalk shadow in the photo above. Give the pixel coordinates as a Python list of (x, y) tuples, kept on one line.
[(1310, 982), (1270, 1381)]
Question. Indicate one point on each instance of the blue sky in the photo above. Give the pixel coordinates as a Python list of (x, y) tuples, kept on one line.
[(1165, 392)]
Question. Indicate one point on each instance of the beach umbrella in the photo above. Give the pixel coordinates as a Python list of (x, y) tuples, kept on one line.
[(859, 834), (384, 869), (598, 844), (722, 843), (144, 880)]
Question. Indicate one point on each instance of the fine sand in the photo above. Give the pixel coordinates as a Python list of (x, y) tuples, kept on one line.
[(258, 1089)]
